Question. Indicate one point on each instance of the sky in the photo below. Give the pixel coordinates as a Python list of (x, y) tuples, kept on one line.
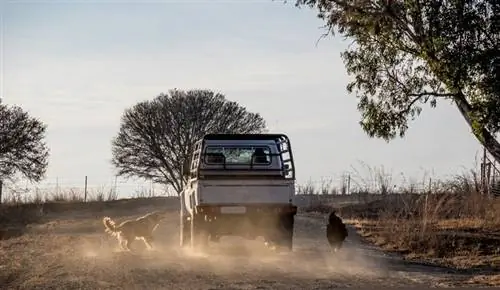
[(77, 65)]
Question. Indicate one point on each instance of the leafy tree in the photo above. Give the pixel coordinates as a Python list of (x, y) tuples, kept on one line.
[(156, 137), (409, 53), (22, 147)]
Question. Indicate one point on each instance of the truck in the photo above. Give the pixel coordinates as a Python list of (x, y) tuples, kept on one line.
[(239, 185)]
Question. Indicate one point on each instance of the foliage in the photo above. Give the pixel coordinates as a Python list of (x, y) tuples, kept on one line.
[(22, 146), (156, 137), (408, 53)]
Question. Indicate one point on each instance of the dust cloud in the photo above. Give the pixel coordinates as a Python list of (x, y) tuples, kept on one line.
[(72, 251), (310, 259)]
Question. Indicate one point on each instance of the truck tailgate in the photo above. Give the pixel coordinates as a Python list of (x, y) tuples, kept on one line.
[(221, 193)]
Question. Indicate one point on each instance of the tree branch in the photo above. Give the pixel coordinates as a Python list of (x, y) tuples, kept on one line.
[(420, 96)]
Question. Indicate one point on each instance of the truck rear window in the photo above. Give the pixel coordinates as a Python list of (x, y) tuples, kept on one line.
[(237, 155)]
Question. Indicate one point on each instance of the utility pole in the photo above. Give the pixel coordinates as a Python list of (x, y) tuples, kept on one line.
[(85, 197)]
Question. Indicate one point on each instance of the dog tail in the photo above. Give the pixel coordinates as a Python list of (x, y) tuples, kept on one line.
[(110, 225)]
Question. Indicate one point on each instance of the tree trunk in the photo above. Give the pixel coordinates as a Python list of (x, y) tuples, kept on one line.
[(484, 136), (1, 187)]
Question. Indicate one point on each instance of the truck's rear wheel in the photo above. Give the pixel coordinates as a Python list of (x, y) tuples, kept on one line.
[(199, 232), (281, 235), (286, 232)]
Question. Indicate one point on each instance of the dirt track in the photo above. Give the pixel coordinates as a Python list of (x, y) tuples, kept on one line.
[(71, 251)]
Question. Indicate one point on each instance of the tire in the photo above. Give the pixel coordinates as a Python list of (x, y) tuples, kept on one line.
[(286, 232), (185, 231), (199, 233)]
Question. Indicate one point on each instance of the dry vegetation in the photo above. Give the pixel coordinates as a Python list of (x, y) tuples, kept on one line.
[(453, 224), (53, 244), (64, 247), (16, 195), (19, 210)]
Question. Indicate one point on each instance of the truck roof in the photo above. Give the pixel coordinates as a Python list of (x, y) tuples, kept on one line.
[(266, 136)]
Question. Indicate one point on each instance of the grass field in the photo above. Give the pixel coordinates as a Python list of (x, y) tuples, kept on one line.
[(52, 241), (62, 245), (454, 225)]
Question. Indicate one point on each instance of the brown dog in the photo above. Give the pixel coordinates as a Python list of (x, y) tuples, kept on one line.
[(336, 231), (130, 230)]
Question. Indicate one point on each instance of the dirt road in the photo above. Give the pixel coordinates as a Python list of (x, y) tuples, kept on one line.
[(72, 251)]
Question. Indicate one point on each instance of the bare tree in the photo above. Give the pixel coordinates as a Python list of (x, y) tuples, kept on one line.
[(22, 147), (156, 137)]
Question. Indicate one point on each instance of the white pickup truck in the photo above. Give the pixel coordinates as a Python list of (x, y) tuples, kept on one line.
[(240, 185)]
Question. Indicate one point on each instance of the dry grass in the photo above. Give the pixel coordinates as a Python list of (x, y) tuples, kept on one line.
[(447, 225), (487, 280), (60, 250), (19, 208), (68, 195), (448, 222), (16, 213), (456, 230), (68, 249), (453, 224)]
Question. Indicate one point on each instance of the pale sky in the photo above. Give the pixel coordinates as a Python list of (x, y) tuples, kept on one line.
[(78, 65)]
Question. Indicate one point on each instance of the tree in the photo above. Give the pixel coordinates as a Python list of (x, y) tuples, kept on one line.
[(409, 53), (22, 147), (157, 137)]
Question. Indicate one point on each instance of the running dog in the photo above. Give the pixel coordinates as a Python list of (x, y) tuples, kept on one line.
[(139, 229), (336, 232)]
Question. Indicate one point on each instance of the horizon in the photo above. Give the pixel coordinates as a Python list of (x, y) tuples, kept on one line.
[(78, 76)]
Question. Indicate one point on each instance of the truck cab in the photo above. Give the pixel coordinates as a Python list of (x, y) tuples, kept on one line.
[(239, 185)]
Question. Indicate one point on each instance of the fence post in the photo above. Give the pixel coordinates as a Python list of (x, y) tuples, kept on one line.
[(348, 184), (85, 198)]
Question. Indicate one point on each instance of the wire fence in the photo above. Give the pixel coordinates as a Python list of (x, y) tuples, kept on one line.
[(64, 189), (372, 180), (378, 184), (86, 189)]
